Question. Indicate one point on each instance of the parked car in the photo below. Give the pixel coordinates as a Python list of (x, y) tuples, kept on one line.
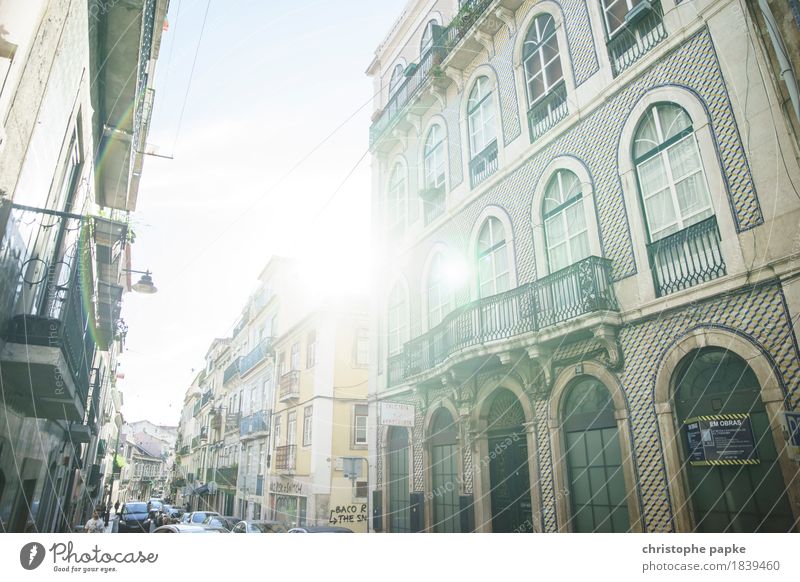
[(226, 521), (198, 517), (259, 527), (186, 517), (320, 529), (134, 518), (182, 528)]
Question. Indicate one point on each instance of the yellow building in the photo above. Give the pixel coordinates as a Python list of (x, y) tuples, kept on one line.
[(319, 420)]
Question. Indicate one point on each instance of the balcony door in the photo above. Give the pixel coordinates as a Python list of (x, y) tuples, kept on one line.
[(443, 455), (398, 516)]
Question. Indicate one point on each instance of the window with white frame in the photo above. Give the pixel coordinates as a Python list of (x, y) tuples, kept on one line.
[(307, 417), (426, 43), (277, 437), (295, 357), (397, 199), (362, 347), (396, 79), (671, 177), (434, 158), (360, 419), (565, 231), (438, 291), (541, 59), (493, 271), (480, 116), (291, 428), (311, 349), (397, 323)]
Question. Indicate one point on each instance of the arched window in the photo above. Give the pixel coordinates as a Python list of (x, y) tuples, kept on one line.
[(671, 177), (434, 173), (427, 37), (398, 518), (544, 76), (438, 291), (482, 131), (397, 325), (443, 442), (397, 199), (493, 271), (397, 78), (594, 459), (565, 230)]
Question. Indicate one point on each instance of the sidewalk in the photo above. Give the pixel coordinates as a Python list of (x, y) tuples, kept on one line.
[(113, 524)]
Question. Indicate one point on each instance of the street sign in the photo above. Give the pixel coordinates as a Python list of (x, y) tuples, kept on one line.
[(791, 423), (396, 414), (719, 440)]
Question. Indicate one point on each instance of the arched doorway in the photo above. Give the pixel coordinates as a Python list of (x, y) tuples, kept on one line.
[(443, 450), (508, 465), (710, 382), (398, 518), (597, 495)]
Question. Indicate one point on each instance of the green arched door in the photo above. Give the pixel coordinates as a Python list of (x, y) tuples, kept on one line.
[(443, 443), (736, 498), (597, 493), (397, 460)]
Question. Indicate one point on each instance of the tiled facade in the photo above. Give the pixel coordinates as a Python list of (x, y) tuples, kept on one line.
[(754, 302)]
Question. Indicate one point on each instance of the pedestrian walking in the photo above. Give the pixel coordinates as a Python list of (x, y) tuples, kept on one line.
[(94, 525), (116, 507), (107, 513)]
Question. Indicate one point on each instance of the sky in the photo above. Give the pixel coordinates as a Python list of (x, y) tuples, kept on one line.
[(272, 80)]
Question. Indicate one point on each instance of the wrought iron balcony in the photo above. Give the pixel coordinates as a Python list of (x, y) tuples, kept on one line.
[(232, 371), (254, 425), (289, 386), (206, 398), (483, 164), (257, 355), (579, 289), (643, 29), (184, 450), (47, 359), (687, 258), (286, 458), (468, 13), (548, 111)]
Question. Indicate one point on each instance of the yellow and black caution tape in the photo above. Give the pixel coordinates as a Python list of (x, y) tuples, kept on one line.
[(717, 417), (725, 462)]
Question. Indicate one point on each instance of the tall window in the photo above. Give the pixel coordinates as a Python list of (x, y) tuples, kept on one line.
[(480, 115), (291, 428), (565, 229), (482, 131), (427, 37), (438, 292), (398, 482), (541, 59), (360, 425), (307, 415), (397, 325), (295, 362), (633, 28), (397, 199), (671, 177), (434, 158), (311, 349), (396, 79), (493, 272), (277, 437)]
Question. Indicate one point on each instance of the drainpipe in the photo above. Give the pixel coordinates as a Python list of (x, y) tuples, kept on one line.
[(787, 74)]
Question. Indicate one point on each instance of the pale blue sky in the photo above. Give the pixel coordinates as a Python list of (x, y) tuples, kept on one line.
[(272, 80)]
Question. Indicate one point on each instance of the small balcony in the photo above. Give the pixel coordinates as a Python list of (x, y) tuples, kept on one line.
[(257, 355), (286, 458), (483, 164), (184, 450), (254, 425), (232, 371), (580, 289), (687, 258), (289, 386), (433, 202), (45, 364), (548, 111), (643, 30), (206, 398)]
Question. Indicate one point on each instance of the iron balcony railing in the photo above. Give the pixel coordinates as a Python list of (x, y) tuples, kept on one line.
[(257, 422), (257, 355), (206, 398), (286, 457), (582, 288), (644, 29), (443, 42), (483, 164), (184, 450), (433, 202), (232, 371), (548, 111), (289, 385), (687, 258)]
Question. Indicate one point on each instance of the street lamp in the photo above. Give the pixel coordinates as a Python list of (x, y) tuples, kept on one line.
[(144, 284)]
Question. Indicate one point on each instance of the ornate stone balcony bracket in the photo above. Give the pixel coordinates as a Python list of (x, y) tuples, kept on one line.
[(507, 16), (543, 358), (487, 40), (457, 76), (606, 335)]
